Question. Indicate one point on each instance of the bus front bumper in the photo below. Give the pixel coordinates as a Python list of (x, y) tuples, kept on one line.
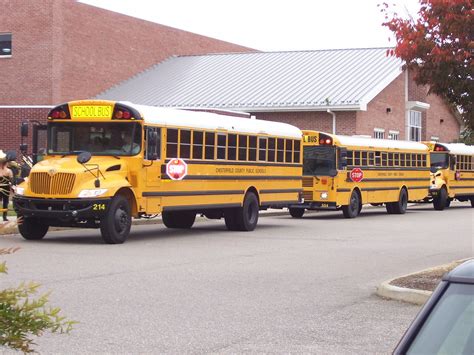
[(61, 209), (316, 205)]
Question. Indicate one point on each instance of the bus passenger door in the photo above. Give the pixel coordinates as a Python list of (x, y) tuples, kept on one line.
[(152, 166)]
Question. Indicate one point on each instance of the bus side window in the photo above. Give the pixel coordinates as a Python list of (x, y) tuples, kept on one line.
[(262, 149), (280, 150), (350, 157), (390, 159), (296, 152), (232, 147), (371, 159), (364, 159), (153, 143), (378, 158), (289, 150), (243, 147), (197, 144), (221, 146), (210, 145), (356, 158), (271, 149), (172, 143), (252, 148), (185, 144)]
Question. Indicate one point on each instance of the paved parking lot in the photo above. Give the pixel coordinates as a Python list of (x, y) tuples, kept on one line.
[(291, 286)]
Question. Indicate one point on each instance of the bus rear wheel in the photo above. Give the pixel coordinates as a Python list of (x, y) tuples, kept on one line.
[(115, 225), (399, 207), (31, 228), (181, 219), (296, 212), (353, 208), (439, 202), (244, 218)]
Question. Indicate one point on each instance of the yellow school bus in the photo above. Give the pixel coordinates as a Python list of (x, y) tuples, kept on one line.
[(342, 172), (110, 161), (452, 173)]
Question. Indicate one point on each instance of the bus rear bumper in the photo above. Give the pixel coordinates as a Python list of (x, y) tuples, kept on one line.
[(61, 209), (316, 205)]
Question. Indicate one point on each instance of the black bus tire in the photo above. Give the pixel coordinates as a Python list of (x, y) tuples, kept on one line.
[(296, 212), (246, 217), (439, 202), (179, 219), (230, 218), (400, 207), (115, 225), (353, 208), (472, 201), (31, 229)]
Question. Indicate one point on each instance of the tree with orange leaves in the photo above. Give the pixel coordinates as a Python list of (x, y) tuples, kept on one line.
[(439, 46)]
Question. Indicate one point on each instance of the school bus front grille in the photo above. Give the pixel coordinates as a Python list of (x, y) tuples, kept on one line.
[(308, 182), (308, 195), (57, 184)]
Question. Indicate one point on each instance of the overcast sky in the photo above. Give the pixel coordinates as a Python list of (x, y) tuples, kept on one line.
[(272, 25)]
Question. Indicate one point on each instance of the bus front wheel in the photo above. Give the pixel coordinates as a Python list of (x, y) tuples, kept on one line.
[(439, 202), (296, 212), (116, 224), (353, 208), (181, 219), (243, 218), (31, 228)]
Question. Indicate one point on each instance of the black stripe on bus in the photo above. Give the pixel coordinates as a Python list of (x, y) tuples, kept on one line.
[(193, 193), (461, 187), (235, 177), (343, 190), (201, 207), (214, 162), (393, 179), (386, 188), (280, 191), (387, 168)]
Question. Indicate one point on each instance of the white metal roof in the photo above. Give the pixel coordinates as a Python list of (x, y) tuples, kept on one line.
[(459, 148), (380, 143), (204, 120), (342, 79)]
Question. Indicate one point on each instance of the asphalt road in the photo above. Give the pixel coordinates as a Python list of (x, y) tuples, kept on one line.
[(290, 286)]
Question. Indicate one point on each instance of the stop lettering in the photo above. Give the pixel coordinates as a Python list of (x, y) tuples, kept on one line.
[(357, 175), (176, 169)]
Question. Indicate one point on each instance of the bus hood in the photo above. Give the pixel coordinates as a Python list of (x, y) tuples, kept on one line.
[(69, 164)]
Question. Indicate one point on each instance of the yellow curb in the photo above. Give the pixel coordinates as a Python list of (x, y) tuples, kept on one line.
[(411, 295)]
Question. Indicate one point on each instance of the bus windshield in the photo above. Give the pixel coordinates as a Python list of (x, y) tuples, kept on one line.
[(98, 138), (319, 160), (439, 161)]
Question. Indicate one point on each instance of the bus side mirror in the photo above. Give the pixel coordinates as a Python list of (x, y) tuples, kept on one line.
[(84, 157), (342, 158), (332, 172), (24, 129), (452, 162)]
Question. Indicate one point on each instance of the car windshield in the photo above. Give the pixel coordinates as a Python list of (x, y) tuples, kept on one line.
[(449, 329), (439, 160), (319, 160), (106, 138)]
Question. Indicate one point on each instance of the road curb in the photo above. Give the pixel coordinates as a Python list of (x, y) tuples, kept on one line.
[(410, 295)]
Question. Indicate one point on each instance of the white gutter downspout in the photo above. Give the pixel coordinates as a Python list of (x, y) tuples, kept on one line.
[(333, 120)]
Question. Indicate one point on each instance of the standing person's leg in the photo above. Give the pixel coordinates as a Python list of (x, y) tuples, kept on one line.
[(5, 192)]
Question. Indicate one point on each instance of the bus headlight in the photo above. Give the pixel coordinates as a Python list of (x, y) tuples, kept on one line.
[(91, 193), (324, 195), (19, 190)]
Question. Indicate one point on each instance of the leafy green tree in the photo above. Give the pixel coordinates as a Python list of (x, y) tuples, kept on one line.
[(438, 45), (22, 316)]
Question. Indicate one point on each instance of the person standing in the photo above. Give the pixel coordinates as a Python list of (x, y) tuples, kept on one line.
[(6, 177)]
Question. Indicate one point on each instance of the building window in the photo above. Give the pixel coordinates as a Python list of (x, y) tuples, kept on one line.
[(434, 139), (5, 44), (414, 126), (394, 135), (379, 133)]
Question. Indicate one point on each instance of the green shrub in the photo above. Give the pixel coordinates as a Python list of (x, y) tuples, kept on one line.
[(22, 316)]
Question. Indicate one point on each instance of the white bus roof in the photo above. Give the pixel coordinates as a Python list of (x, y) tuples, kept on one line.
[(459, 148), (205, 120), (380, 143)]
